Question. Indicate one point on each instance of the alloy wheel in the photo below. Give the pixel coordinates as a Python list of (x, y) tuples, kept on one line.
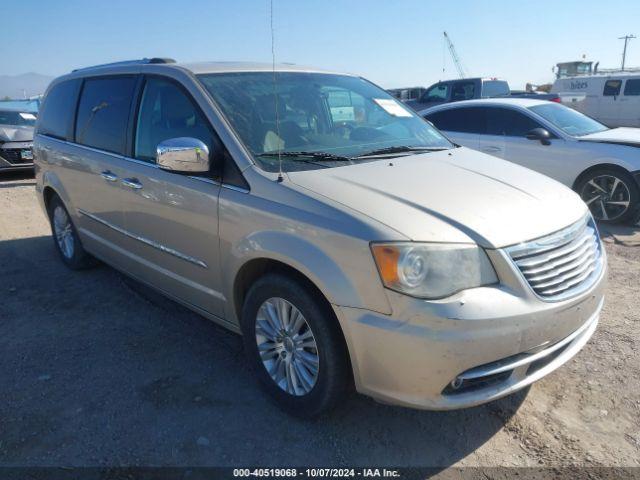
[(287, 347), (63, 231), (607, 196)]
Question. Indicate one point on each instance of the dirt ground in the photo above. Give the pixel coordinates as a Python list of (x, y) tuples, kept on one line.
[(96, 370)]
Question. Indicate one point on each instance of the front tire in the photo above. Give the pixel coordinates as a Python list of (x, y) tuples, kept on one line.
[(294, 345), (611, 195), (65, 237)]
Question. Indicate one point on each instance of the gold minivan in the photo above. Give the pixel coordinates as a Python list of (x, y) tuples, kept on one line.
[(344, 237)]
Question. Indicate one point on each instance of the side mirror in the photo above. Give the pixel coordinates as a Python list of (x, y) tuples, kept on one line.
[(540, 134), (183, 154)]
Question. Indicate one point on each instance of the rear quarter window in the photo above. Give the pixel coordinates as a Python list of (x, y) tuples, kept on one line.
[(612, 88), (495, 88), (56, 114), (462, 120)]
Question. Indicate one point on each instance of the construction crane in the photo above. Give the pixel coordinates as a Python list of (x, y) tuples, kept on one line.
[(456, 60)]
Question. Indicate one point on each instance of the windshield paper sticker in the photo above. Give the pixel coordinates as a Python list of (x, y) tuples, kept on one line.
[(392, 107), (28, 116)]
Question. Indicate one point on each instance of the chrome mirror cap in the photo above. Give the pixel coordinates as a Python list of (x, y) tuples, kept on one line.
[(183, 154)]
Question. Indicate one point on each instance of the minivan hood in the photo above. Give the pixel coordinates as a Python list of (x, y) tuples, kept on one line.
[(19, 133), (455, 195), (622, 136)]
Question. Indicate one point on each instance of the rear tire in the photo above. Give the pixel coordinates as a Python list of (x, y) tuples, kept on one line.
[(65, 237), (612, 195), (294, 345)]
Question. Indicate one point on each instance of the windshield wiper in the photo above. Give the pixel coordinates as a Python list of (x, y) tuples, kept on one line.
[(319, 156), (398, 149)]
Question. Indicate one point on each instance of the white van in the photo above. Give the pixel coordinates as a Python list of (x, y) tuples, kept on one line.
[(611, 99)]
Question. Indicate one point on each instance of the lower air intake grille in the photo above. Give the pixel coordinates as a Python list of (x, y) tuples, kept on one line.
[(561, 264)]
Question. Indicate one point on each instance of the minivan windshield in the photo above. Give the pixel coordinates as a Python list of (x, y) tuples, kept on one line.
[(16, 118), (318, 120), (568, 120)]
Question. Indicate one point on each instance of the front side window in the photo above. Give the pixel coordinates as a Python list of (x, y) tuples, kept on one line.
[(461, 120), (568, 120), (612, 88), (463, 91), (56, 114), (103, 113), (632, 87), (315, 113), (167, 112), (17, 119), (508, 122), (437, 93)]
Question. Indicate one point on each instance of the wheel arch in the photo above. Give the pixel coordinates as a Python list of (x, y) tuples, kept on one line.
[(598, 166), (254, 269)]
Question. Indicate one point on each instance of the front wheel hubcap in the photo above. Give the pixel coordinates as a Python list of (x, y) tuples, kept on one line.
[(607, 196), (63, 231), (287, 347)]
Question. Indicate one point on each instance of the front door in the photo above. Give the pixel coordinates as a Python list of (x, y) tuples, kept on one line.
[(172, 218), (630, 103), (508, 129), (609, 103)]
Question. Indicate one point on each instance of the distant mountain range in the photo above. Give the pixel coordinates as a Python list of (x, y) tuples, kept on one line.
[(27, 84)]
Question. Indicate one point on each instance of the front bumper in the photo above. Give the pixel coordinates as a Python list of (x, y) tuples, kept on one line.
[(489, 341), (12, 156)]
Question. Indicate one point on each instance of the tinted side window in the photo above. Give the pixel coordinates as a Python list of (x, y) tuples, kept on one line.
[(103, 113), (463, 91), (612, 88), (463, 120), (437, 93), (632, 87), (57, 111), (502, 121), (166, 112)]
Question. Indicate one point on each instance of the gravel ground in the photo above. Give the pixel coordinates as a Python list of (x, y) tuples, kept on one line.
[(96, 370)]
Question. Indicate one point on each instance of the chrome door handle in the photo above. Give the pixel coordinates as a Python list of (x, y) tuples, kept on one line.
[(108, 176), (132, 183), (492, 149)]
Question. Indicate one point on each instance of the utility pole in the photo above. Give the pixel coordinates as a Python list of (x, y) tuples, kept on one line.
[(626, 39)]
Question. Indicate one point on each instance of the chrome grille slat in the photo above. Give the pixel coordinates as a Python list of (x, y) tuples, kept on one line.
[(561, 278), (569, 284), (565, 267), (561, 264), (535, 260), (576, 254)]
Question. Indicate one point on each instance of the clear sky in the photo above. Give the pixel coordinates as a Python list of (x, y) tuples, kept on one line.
[(393, 43)]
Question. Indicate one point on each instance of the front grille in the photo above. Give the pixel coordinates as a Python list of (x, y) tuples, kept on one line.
[(12, 155), (562, 264)]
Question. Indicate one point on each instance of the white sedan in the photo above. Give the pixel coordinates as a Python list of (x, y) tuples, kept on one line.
[(602, 164)]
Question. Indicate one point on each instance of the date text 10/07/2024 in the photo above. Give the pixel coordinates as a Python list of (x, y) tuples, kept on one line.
[(317, 472)]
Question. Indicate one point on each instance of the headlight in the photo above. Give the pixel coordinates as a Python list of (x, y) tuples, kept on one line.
[(431, 270)]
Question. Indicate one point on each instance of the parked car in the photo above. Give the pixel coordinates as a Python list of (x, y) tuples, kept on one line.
[(468, 89), (600, 163), (16, 140), (342, 235), (611, 99)]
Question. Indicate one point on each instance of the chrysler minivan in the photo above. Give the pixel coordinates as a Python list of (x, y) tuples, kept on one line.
[(345, 238)]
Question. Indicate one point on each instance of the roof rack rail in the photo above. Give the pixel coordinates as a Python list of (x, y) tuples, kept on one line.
[(142, 61)]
